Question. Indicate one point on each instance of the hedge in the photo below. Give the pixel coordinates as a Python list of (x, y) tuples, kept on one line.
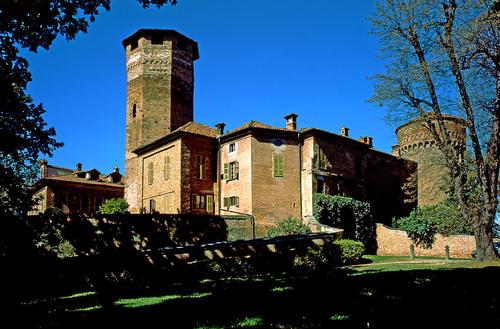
[(354, 216)]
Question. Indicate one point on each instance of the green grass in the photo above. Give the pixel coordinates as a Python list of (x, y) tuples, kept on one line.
[(384, 293), (394, 263), (249, 322), (79, 295)]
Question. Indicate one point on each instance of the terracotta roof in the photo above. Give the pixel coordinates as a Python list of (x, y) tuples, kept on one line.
[(75, 179), (198, 129), (53, 171), (255, 124)]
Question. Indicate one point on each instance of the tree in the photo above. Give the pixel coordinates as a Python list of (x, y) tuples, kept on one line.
[(24, 135), (443, 57), (114, 206)]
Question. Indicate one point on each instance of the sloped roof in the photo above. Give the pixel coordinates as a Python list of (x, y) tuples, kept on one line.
[(190, 128), (198, 129)]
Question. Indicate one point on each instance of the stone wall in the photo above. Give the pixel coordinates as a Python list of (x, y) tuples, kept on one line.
[(392, 242)]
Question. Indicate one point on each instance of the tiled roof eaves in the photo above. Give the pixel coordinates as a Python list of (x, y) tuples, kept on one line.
[(62, 179), (166, 139), (235, 133), (314, 131)]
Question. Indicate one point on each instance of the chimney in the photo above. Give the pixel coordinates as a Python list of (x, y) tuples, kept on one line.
[(367, 140), (344, 131), (78, 166), (44, 170), (291, 121), (220, 128)]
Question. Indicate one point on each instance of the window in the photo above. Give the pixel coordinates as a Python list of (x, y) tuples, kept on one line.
[(231, 170), (152, 206), (199, 201), (169, 203), (210, 204), (232, 201), (232, 147), (201, 167), (134, 111), (278, 162), (150, 173), (166, 168), (321, 159)]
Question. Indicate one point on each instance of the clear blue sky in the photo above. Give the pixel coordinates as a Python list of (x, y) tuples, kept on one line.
[(259, 60)]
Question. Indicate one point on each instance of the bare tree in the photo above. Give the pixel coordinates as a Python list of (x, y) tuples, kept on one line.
[(443, 57)]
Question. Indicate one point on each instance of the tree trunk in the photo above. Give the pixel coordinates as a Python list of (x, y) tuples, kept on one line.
[(484, 236)]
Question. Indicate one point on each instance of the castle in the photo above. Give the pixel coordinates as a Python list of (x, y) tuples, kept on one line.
[(175, 165)]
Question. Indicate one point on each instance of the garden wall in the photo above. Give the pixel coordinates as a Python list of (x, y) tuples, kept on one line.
[(393, 242)]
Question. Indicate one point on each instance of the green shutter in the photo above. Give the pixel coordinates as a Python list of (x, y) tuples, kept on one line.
[(237, 170), (278, 164), (226, 171), (281, 165), (237, 201), (226, 202), (210, 204)]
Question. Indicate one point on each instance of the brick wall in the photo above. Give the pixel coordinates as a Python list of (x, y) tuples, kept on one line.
[(392, 242), (275, 198)]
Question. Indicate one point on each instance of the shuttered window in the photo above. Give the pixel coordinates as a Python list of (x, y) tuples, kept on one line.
[(232, 201), (321, 159), (278, 165), (210, 204), (166, 168), (150, 173), (201, 167)]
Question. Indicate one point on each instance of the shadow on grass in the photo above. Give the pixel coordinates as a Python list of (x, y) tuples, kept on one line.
[(400, 299)]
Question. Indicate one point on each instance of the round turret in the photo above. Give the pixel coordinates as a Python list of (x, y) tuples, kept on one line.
[(415, 142)]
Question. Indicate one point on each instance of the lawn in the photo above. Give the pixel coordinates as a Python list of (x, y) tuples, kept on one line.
[(388, 292)]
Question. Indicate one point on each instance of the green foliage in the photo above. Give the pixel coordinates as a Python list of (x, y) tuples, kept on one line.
[(289, 226), (50, 235), (353, 216), (350, 251), (24, 134), (425, 222), (114, 206), (324, 258)]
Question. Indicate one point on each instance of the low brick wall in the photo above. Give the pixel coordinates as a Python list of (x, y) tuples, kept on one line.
[(393, 242)]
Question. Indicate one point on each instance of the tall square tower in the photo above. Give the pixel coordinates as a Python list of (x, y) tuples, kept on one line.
[(160, 85)]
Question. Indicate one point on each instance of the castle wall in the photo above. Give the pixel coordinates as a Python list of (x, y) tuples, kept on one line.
[(416, 142), (242, 186), (165, 187), (160, 84), (275, 198)]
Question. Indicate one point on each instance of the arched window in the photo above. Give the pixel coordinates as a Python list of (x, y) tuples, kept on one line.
[(134, 111)]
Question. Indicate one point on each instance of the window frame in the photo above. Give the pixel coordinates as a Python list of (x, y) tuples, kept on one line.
[(278, 165)]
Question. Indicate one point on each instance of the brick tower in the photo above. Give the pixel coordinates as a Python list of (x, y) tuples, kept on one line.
[(160, 83), (415, 142)]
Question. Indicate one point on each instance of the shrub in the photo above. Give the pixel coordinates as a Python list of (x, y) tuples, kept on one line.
[(353, 216), (289, 226), (425, 222), (50, 234), (349, 251), (114, 206), (324, 258)]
